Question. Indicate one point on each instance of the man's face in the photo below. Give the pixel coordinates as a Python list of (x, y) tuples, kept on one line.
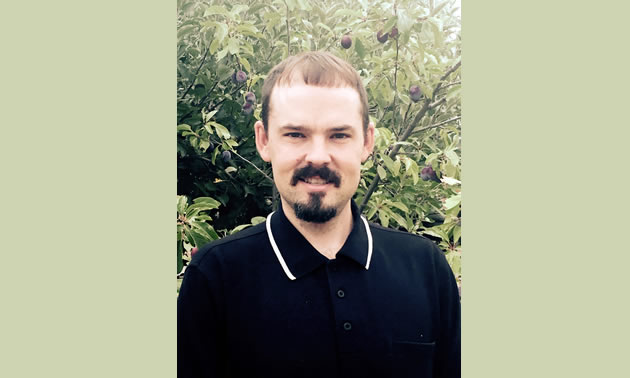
[(315, 143)]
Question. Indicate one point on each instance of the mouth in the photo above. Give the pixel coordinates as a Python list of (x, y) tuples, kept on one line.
[(315, 180)]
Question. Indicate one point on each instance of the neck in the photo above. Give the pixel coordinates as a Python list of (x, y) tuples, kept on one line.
[(327, 238)]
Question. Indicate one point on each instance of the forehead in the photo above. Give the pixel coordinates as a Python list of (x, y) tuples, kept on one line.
[(314, 106)]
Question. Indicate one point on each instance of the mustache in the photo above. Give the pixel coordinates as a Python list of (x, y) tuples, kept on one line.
[(324, 172)]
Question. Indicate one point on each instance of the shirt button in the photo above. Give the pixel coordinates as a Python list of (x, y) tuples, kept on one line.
[(347, 326), (341, 293)]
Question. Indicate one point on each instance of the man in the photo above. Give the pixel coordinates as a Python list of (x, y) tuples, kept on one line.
[(316, 291)]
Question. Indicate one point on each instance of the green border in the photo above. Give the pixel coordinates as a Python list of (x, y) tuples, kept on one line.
[(89, 185), (544, 207), (88, 166)]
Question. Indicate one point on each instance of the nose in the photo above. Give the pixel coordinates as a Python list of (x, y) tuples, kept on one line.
[(317, 152)]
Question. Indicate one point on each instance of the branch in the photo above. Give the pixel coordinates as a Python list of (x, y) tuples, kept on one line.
[(425, 107), (203, 60), (235, 153), (224, 98), (394, 112), (288, 36), (438, 124), (254, 165), (451, 84), (200, 102)]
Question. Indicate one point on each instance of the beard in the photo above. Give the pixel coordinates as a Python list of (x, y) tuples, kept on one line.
[(313, 211)]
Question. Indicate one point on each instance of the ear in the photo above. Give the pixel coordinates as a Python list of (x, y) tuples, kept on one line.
[(368, 145), (262, 141)]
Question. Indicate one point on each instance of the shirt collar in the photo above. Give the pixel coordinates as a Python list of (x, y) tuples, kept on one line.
[(298, 257)]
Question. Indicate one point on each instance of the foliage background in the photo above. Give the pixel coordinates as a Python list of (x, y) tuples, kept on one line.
[(223, 186)]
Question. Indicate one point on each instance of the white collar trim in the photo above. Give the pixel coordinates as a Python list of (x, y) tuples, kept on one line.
[(284, 264)]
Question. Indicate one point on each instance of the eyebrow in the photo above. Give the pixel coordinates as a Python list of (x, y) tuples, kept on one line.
[(301, 128)]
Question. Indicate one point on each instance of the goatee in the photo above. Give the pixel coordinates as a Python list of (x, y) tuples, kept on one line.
[(313, 211)]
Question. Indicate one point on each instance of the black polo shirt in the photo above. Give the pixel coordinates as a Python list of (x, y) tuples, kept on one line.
[(386, 306)]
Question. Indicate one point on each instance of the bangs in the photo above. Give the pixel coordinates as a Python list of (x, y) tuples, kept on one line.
[(316, 68)]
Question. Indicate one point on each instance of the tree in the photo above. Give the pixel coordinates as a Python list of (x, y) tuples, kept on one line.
[(408, 55)]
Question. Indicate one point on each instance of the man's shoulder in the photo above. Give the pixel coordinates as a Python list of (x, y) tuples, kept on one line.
[(405, 242), (239, 242)]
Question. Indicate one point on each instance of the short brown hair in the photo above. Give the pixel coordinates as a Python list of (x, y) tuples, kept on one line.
[(318, 68)]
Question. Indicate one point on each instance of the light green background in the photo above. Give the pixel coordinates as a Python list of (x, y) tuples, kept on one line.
[(89, 184)]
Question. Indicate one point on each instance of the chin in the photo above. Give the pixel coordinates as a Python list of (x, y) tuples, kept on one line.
[(314, 210)]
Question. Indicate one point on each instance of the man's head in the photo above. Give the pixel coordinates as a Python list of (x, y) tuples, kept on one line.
[(316, 68), (315, 132)]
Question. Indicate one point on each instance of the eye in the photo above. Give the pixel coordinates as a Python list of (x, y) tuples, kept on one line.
[(340, 136), (294, 135)]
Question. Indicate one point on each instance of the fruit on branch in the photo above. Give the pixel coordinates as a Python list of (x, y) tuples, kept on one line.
[(250, 97), (415, 93), (428, 174), (248, 108), (382, 38), (226, 155), (346, 41), (239, 77), (394, 32)]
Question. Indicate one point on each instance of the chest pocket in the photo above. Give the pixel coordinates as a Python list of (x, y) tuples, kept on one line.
[(412, 359)]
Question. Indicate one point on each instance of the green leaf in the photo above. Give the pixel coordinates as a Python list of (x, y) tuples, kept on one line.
[(222, 54), (184, 127), (452, 156), (238, 228), (390, 24), (381, 172), (207, 201), (207, 229), (238, 8), (214, 46), (405, 23), (384, 218), (220, 32), (304, 5), (400, 206), (359, 48), (426, 90), (185, 30), (396, 170), (344, 12), (453, 201), (457, 233), (371, 212), (222, 131), (231, 142), (230, 169), (437, 9), (245, 63), (182, 203), (389, 163), (180, 262), (214, 9), (199, 238), (232, 46), (324, 27)]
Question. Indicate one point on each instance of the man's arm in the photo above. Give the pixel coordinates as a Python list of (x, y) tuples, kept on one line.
[(448, 352), (200, 323)]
